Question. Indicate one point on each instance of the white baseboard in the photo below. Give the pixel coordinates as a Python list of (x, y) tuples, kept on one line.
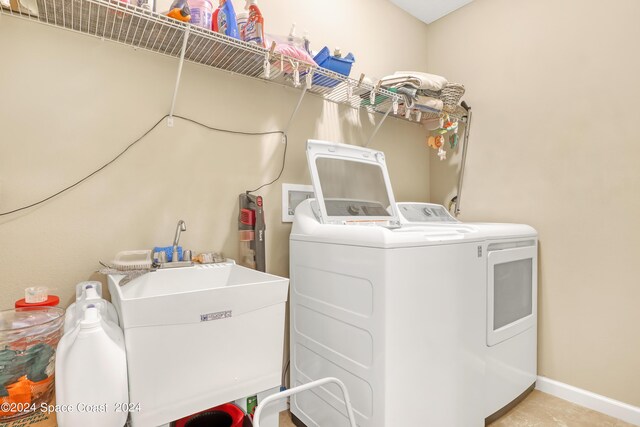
[(611, 407)]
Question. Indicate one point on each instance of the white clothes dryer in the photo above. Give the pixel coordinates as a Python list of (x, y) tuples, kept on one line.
[(511, 283)]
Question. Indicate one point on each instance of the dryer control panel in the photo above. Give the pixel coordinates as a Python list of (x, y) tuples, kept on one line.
[(420, 213)]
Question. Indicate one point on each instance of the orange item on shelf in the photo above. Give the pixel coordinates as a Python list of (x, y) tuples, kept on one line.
[(180, 14)]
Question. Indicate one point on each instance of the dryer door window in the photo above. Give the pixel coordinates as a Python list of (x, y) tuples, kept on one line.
[(512, 292), (512, 298)]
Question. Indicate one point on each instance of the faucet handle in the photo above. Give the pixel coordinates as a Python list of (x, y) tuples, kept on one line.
[(160, 257)]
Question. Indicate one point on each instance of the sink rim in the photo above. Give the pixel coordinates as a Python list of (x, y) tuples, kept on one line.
[(119, 294)]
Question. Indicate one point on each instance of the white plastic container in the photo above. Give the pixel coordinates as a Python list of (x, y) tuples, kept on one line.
[(242, 18), (91, 374), (201, 12), (89, 293)]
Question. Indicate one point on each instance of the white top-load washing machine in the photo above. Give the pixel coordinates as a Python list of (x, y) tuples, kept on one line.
[(404, 311)]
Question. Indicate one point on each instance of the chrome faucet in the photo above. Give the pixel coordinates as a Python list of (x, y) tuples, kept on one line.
[(179, 229)]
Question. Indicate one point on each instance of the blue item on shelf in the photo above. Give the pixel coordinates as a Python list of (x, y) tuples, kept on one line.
[(332, 63), (169, 251), (225, 21)]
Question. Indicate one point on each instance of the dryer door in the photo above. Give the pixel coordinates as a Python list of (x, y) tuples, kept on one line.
[(512, 292)]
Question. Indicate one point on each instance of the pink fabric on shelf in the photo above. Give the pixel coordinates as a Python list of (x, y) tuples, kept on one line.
[(293, 52)]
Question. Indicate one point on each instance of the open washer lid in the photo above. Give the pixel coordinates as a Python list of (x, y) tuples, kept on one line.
[(351, 185)]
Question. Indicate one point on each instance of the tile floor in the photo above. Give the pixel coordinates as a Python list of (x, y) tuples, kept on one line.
[(539, 410)]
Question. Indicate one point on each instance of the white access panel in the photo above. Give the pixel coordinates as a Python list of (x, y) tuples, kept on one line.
[(292, 196)]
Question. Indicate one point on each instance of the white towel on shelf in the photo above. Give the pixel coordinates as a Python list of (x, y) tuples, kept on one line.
[(416, 79), (428, 104)]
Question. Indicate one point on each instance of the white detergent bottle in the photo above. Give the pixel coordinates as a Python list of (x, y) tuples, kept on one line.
[(242, 18), (89, 293), (91, 374)]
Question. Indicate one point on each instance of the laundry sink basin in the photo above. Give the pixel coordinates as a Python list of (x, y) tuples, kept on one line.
[(174, 295), (199, 336)]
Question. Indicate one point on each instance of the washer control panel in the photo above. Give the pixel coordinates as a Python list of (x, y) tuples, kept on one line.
[(416, 213), (344, 207)]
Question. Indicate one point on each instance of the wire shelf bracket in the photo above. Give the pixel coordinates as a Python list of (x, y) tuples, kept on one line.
[(378, 126), (467, 120), (185, 38), (295, 110)]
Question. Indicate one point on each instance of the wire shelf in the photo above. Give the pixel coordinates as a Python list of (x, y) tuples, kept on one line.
[(129, 25)]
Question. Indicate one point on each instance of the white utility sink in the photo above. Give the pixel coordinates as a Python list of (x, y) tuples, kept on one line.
[(199, 336)]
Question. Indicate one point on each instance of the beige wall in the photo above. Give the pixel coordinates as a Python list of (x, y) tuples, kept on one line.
[(70, 102), (554, 86)]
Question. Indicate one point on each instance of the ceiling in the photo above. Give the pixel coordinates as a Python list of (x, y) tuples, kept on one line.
[(430, 10)]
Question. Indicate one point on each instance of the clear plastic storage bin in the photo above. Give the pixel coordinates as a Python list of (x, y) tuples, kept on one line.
[(28, 341)]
